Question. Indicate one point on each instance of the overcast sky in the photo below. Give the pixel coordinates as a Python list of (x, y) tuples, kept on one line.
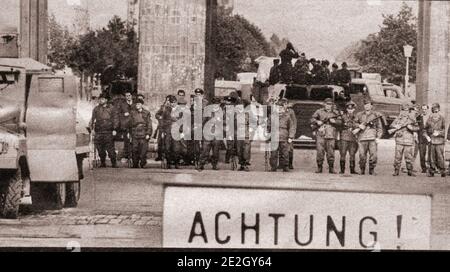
[(321, 28)]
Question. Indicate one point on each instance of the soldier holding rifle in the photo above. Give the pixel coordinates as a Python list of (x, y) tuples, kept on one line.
[(370, 129), (324, 122), (403, 129)]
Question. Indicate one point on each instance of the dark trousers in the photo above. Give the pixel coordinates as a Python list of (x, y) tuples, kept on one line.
[(160, 141), (370, 147), (206, 150), (281, 154), (231, 150), (140, 148), (325, 146), (348, 147), (437, 158), (104, 143), (172, 149), (126, 145), (423, 150), (244, 150)]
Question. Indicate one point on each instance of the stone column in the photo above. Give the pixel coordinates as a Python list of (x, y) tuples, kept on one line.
[(172, 48), (33, 29), (433, 73)]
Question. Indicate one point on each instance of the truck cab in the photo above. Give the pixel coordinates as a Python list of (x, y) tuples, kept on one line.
[(387, 101), (305, 100), (41, 142)]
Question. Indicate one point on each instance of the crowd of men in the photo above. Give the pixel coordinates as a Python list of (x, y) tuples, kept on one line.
[(417, 132), (307, 72)]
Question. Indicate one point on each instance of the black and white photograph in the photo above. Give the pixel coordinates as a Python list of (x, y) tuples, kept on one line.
[(206, 125)]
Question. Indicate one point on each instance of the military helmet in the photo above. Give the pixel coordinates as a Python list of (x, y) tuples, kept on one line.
[(436, 106), (172, 99), (140, 101), (350, 104), (216, 101), (199, 91)]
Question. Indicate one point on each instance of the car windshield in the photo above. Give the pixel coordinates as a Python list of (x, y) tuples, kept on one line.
[(322, 93), (296, 93)]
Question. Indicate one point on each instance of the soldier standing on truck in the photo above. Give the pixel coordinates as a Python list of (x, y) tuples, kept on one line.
[(324, 121), (279, 156), (344, 78), (105, 124), (348, 143), (141, 131), (275, 75), (370, 129), (435, 127), (404, 126), (334, 74), (286, 67)]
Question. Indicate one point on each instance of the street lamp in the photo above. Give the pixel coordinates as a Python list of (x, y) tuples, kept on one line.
[(408, 53)]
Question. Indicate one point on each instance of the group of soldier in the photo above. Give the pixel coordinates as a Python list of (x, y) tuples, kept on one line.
[(307, 72), (415, 132)]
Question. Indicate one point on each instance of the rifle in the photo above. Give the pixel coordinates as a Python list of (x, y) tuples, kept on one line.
[(316, 127), (394, 130), (368, 122)]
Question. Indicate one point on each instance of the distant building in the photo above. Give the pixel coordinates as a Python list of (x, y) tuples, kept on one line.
[(172, 47), (9, 42)]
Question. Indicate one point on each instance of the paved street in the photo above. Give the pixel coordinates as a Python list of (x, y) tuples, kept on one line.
[(123, 207)]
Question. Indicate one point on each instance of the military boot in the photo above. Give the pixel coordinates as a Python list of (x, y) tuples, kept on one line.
[(114, 163), (102, 164), (396, 172), (363, 170), (372, 171), (342, 167), (319, 169), (331, 167), (352, 168)]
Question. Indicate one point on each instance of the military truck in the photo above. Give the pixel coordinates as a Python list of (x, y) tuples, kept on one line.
[(305, 100), (387, 101), (40, 146)]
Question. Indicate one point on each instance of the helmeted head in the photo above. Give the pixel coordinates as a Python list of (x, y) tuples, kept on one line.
[(344, 65), (368, 105), (351, 107), (329, 104), (289, 46), (436, 107), (173, 101), (276, 62), (139, 104), (335, 67), (199, 92), (103, 99)]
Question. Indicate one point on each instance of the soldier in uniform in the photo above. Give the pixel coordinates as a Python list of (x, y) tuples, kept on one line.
[(370, 129), (160, 129), (344, 78), (212, 142), (287, 130), (435, 128), (166, 120), (275, 74), (141, 131), (348, 142), (325, 121), (243, 146), (123, 109), (198, 105), (404, 126), (334, 74), (286, 63), (423, 140), (105, 124), (228, 122)]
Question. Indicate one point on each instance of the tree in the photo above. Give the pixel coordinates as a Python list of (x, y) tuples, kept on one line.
[(238, 43), (114, 47), (59, 45), (383, 52)]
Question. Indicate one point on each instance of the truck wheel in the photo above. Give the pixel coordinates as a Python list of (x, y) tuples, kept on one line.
[(73, 192), (10, 194), (59, 196)]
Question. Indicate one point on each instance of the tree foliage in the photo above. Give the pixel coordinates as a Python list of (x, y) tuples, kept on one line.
[(59, 45), (238, 43), (383, 52), (114, 46)]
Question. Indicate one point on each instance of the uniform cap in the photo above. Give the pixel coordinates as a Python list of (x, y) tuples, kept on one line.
[(351, 104), (406, 106), (172, 99), (140, 101), (103, 95), (367, 101), (216, 100), (329, 101), (436, 106), (282, 102), (199, 91)]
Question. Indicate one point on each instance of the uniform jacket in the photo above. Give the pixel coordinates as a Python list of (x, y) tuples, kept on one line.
[(287, 55), (104, 119), (371, 133), (334, 77), (344, 76), (286, 128), (274, 76), (405, 136), (436, 123), (349, 124), (123, 109), (327, 130), (141, 123), (165, 118), (422, 131)]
